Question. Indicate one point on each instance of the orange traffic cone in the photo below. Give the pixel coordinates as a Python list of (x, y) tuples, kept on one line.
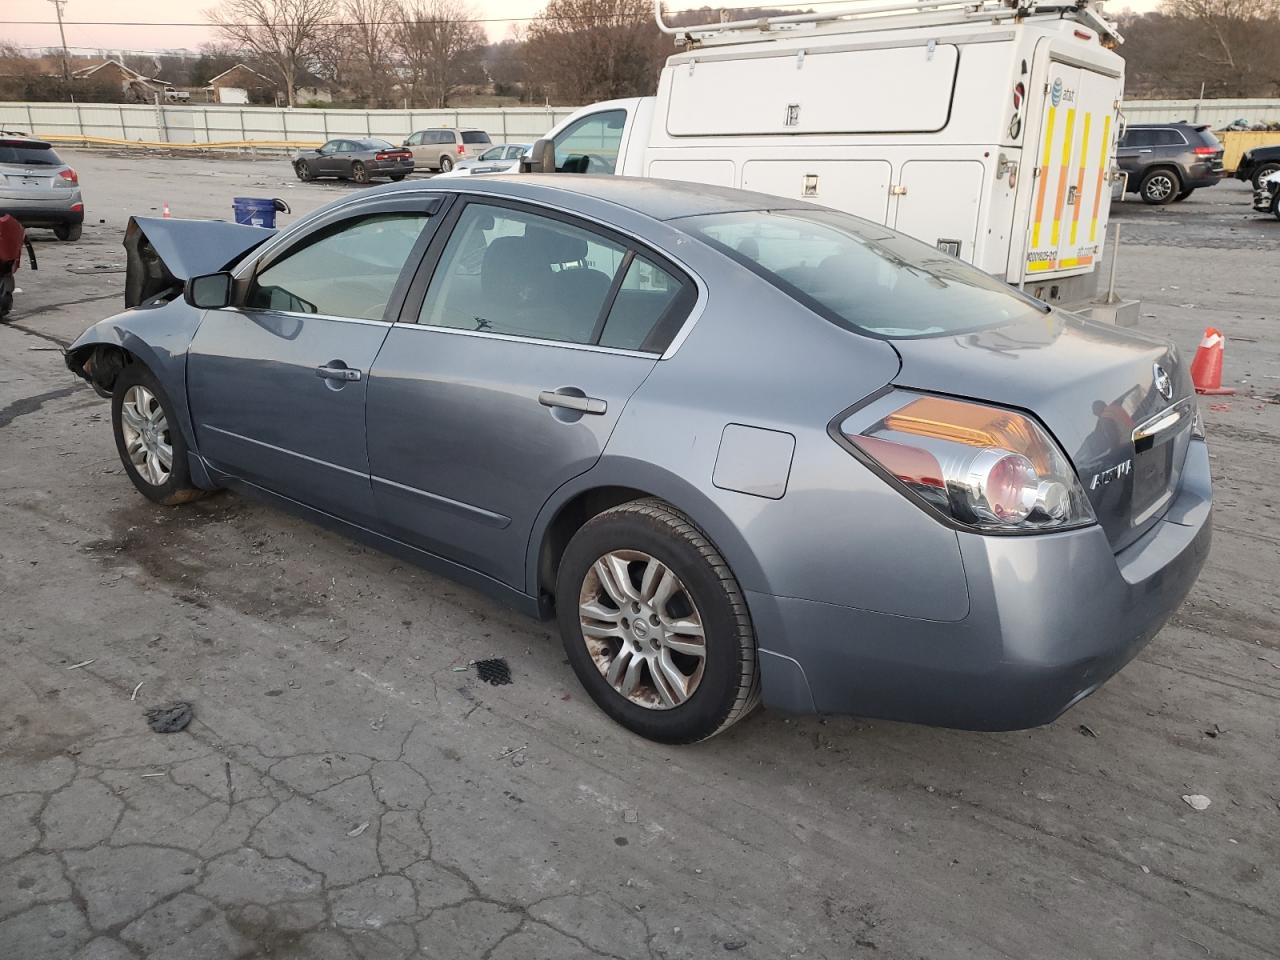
[(166, 209), (1206, 368)]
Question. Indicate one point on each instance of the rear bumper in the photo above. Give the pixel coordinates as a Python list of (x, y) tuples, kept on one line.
[(1204, 174), (1051, 619), (44, 213), (386, 168)]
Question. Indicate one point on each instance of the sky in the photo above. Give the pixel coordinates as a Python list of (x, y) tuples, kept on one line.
[(192, 11)]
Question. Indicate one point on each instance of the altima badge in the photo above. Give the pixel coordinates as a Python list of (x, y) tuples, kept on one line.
[(1163, 383)]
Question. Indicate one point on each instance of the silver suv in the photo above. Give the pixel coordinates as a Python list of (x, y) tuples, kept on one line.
[(37, 188), (441, 147)]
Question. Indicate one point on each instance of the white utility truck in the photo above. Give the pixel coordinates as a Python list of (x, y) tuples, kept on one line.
[(986, 127)]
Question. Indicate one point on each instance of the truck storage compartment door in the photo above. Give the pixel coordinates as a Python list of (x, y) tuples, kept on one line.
[(812, 92), (938, 203), (1073, 156), (860, 187)]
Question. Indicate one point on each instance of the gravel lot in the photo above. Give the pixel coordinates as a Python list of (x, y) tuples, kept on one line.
[(350, 789)]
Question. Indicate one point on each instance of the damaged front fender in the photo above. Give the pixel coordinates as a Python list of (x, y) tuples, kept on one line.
[(163, 254)]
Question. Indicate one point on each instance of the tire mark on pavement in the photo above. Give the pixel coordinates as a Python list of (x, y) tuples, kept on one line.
[(20, 408)]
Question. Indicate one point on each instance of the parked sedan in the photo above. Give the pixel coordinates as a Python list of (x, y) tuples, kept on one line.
[(741, 448), (501, 158), (359, 160)]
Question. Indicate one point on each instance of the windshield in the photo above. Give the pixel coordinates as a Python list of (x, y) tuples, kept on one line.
[(861, 275), (373, 143)]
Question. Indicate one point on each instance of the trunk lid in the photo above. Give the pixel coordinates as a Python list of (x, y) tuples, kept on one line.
[(1098, 391), (162, 254)]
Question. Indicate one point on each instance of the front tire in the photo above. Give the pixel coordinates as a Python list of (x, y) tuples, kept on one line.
[(655, 624), (1262, 171), (68, 232), (1160, 187), (148, 439), (446, 163)]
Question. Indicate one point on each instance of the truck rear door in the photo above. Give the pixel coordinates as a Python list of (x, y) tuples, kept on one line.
[(1073, 159)]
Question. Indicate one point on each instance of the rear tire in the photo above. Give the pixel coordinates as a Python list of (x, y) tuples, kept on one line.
[(358, 173), (1262, 171), (397, 177), (687, 658), (145, 426), (68, 232), (446, 163), (1160, 187), (303, 171)]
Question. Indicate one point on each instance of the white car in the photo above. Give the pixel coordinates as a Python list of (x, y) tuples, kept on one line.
[(500, 158), (1266, 198)]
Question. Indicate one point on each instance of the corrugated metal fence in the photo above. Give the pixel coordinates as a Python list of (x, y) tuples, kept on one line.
[(188, 125), (270, 127)]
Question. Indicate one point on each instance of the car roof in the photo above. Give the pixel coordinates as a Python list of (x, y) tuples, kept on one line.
[(656, 199), (1185, 124)]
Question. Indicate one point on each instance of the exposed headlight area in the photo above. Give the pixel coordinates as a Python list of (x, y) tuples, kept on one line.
[(987, 468)]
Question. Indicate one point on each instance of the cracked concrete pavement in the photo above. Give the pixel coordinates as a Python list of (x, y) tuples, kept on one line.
[(349, 788)]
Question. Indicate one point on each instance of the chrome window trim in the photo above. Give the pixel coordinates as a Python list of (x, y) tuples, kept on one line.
[(249, 311), (536, 341)]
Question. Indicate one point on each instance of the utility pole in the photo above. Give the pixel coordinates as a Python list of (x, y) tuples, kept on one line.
[(66, 67)]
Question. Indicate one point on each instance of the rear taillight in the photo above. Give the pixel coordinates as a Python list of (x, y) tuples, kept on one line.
[(461, 149), (68, 175), (1206, 151), (994, 470), (382, 156)]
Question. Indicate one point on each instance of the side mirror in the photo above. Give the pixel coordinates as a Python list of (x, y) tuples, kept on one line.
[(541, 159), (209, 292)]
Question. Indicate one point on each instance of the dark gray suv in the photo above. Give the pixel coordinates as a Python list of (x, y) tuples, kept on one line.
[(1168, 161)]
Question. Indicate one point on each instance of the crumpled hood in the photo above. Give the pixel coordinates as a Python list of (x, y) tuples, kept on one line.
[(163, 253)]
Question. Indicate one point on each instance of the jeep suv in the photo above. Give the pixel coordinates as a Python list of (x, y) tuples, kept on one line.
[(441, 147), (1167, 161)]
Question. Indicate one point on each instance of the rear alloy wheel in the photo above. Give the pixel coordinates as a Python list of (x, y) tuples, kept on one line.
[(1160, 187), (303, 171), (446, 163), (358, 173), (68, 232), (148, 439), (655, 625)]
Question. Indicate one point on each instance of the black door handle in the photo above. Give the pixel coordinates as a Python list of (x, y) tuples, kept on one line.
[(331, 372), (553, 398)]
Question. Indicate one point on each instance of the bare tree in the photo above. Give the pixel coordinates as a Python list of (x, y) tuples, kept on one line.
[(596, 49), (440, 45), (1229, 43), (287, 35)]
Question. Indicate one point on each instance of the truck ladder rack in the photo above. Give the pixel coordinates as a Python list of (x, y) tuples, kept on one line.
[(901, 14)]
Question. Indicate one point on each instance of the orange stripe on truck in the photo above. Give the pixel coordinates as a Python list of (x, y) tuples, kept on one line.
[(1062, 176), (1084, 156), (1102, 171), (1044, 178)]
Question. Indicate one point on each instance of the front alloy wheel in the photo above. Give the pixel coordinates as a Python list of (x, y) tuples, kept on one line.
[(146, 435), (642, 629)]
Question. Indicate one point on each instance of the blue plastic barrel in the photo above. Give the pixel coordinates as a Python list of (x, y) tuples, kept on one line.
[(255, 211)]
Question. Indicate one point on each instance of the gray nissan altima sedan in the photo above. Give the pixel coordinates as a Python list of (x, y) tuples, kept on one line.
[(742, 448)]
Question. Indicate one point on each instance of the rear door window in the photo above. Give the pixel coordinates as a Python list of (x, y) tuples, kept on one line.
[(516, 273)]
